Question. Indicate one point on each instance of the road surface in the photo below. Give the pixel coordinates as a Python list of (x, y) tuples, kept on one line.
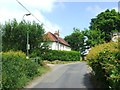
[(66, 76)]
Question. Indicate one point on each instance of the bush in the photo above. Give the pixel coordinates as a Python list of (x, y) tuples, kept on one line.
[(38, 60), (17, 70), (94, 52), (52, 55), (105, 62)]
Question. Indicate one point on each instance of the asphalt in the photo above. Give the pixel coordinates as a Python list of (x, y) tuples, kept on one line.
[(66, 76)]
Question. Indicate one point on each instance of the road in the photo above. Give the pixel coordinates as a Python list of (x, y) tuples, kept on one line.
[(66, 76)]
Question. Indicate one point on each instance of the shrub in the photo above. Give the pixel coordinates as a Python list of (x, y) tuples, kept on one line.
[(94, 52), (105, 62), (38, 60), (17, 70), (52, 55)]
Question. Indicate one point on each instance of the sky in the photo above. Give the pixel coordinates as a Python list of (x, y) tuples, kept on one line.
[(62, 15)]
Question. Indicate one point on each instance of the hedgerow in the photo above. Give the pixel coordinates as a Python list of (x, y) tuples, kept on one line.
[(105, 62), (52, 55), (17, 70)]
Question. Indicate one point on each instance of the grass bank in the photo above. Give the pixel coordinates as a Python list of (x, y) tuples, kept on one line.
[(59, 62), (42, 70)]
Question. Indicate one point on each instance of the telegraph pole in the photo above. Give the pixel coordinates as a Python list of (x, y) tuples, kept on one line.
[(28, 45)]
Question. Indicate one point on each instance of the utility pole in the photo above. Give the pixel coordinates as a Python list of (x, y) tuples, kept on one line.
[(28, 45)]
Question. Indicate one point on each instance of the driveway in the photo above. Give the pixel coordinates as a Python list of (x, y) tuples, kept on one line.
[(65, 76)]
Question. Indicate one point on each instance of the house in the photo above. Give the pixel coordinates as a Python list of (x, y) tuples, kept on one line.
[(56, 42), (115, 36)]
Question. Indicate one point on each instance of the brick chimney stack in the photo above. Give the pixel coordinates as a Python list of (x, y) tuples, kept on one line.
[(56, 33)]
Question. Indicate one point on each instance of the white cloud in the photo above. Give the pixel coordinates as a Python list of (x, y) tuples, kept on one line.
[(52, 27), (44, 5), (95, 9), (10, 9)]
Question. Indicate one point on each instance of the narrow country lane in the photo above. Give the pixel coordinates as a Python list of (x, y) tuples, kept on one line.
[(66, 76)]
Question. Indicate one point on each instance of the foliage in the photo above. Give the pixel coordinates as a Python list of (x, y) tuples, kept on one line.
[(100, 31), (52, 55), (108, 22), (15, 35), (83, 40), (95, 37), (40, 51), (94, 52), (105, 62), (17, 70), (75, 40)]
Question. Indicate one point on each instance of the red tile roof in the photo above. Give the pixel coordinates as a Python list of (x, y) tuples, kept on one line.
[(54, 38)]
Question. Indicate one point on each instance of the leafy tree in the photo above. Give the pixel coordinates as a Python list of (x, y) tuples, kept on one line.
[(84, 40), (75, 39), (95, 37), (15, 35), (107, 22)]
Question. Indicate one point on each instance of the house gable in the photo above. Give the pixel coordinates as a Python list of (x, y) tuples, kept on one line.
[(57, 43)]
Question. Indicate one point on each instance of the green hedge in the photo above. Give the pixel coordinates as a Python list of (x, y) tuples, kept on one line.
[(17, 70), (105, 62), (61, 55)]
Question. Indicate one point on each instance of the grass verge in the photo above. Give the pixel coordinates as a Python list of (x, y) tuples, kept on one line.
[(59, 62), (42, 70)]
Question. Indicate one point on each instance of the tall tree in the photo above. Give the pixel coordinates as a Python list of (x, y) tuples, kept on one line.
[(15, 35), (82, 41), (95, 37), (107, 22), (75, 39)]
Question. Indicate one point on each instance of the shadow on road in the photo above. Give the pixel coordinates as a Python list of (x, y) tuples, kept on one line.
[(87, 81), (91, 83)]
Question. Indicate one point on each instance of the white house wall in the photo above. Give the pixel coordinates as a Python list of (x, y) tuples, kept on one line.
[(54, 46)]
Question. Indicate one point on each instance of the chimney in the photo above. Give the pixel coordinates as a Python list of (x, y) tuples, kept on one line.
[(56, 33)]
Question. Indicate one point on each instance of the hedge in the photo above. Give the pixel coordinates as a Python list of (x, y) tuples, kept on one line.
[(52, 55), (105, 62), (17, 70)]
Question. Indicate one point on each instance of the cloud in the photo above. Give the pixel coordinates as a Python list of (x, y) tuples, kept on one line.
[(44, 5), (49, 26), (10, 9), (95, 9)]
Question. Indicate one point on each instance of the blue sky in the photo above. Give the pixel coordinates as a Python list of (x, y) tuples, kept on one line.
[(77, 14), (62, 15)]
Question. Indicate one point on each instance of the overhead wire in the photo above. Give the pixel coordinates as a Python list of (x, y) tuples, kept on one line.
[(32, 14)]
